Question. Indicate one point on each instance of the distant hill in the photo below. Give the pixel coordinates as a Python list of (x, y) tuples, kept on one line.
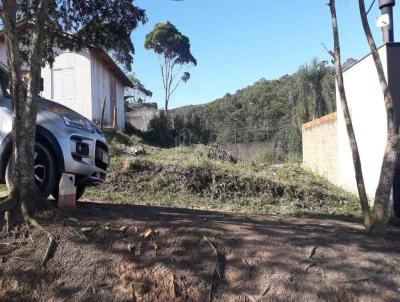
[(266, 110)]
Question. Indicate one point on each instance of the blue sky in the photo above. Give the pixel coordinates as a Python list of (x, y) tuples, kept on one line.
[(239, 42)]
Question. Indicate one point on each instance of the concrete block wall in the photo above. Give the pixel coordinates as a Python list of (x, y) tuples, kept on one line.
[(320, 147), (140, 115)]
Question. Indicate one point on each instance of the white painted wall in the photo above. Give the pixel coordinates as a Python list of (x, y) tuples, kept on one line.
[(79, 65), (100, 76), (367, 110), (120, 106), (91, 80)]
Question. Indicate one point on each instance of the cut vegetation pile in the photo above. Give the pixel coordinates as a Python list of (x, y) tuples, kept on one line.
[(207, 177)]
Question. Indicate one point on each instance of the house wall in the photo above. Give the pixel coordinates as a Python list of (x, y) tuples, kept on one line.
[(320, 146), (120, 106), (101, 77), (91, 83), (367, 110), (80, 64), (141, 116)]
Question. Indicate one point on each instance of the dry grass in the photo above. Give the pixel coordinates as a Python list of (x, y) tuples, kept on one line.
[(3, 190), (188, 177)]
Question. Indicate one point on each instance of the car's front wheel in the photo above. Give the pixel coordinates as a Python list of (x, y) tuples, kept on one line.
[(45, 171)]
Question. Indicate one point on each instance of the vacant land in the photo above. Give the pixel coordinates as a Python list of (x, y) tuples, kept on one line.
[(138, 253), (157, 236), (204, 177)]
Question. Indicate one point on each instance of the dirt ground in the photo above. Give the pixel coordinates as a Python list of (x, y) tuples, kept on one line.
[(136, 253)]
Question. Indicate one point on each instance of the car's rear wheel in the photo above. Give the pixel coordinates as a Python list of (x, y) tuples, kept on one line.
[(45, 171)]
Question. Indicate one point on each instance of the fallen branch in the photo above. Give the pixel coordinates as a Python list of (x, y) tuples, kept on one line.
[(218, 268), (51, 248), (312, 264), (312, 252), (52, 242), (250, 297), (79, 234), (147, 234), (266, 290), (258, 298), (74, 220), (12, 257), (211, 245), (309, 259), (248, 266), (355, 280), (86, 229), (177, 286)]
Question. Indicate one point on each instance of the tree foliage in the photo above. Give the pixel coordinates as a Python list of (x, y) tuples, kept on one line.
[(166, 40), (271, 110), (138, 93), (173, 49), (176, 129), (76, 24), (314, 92)]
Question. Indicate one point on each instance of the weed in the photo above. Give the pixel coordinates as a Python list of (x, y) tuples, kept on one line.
[(190, 177)]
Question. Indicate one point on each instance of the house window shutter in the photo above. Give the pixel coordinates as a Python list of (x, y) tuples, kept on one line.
[(68, 77), (63, 84)]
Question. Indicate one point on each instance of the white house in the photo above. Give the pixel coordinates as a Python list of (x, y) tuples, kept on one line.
[(81, 80)]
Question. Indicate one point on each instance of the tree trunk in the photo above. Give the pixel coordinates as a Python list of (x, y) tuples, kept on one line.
[(32, 98), (17, 96), (23, 107), (385, 185), (349, 126)]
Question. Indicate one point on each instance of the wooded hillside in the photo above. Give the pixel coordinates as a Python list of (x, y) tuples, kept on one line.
[(270, 110)]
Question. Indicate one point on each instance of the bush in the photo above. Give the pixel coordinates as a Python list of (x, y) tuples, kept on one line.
[(165, 130), (160, 130)]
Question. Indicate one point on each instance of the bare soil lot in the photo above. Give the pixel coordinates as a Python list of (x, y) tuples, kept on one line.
[(110, 252)]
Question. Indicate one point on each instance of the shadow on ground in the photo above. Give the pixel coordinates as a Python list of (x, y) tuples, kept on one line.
[(265, 258)]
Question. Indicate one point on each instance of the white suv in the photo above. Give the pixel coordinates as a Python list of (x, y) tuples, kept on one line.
[(66, 142)]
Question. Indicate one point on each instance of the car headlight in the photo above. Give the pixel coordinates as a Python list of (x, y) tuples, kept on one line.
[(77, 121)]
